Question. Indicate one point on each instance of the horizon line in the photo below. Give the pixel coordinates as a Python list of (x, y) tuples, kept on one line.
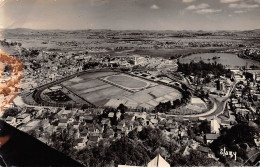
[(107, 29)]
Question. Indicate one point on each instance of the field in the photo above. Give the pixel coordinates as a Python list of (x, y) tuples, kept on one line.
[(58, 96), (112, 89), (127, 82), (142, 43), (174, 53)]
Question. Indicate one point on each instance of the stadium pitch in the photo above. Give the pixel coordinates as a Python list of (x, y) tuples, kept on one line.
[(109, 88)]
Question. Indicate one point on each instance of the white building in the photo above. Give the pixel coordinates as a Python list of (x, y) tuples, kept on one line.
[(158, 161), (214, 126)]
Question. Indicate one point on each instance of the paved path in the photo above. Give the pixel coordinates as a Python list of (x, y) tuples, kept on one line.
[(218, 108), (200, 115)]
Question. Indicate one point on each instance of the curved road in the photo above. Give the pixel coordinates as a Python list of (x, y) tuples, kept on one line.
[(219, 106)]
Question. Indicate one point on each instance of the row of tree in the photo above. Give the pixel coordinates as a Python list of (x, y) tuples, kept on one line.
[(202, 69), (167, 106)]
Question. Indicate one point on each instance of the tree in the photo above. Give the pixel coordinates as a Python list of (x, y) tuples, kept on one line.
[(122, 108), (249, 76), (63, 142), (204, 127), (202, 69), (237, 135), (84, 107), (176, 103), (69, 106), (163, 107), (133, 134), (207, 79), (11, 112), (196, 158)]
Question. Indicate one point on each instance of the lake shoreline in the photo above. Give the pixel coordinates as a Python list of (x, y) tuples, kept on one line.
[(229, 60)]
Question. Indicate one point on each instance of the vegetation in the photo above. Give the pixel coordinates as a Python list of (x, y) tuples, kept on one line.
[(138, 148), (63, 142), (11, 112), (58, 96), (249, 76), (201, 93), (89, 65), (202, 69), (235, 139), (167, 106), (163, 107)]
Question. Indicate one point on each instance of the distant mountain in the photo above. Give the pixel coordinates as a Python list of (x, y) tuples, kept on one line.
[(22, 30), (255, 32), (23, 150)]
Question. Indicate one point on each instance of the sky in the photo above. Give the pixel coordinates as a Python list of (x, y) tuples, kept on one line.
[(131, 14)]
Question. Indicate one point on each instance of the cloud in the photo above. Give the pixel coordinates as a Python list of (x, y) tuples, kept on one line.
[(229, 1), (201, 6), (188, 1), (208, 11), (203, 9), (240, 11), (257, 1), (154, 7), (243, 6)]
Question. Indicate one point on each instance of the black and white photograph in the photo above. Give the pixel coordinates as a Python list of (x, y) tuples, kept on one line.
[(129, 83)]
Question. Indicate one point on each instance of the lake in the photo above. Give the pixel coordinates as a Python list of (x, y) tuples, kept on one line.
[(226, 59)]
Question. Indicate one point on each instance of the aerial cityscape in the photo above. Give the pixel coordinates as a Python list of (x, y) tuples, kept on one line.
[(129, 83)]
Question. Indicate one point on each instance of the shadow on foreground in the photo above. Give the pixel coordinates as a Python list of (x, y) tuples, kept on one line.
[(20, 149)]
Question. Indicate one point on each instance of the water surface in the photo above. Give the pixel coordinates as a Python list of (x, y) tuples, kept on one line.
[(226, 59)]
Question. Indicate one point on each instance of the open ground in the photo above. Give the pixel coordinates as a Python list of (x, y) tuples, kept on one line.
[(113, 88)]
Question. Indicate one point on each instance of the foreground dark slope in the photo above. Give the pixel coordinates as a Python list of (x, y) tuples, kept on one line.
[(23, 150)]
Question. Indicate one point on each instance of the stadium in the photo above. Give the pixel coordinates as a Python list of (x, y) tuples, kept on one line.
[(106, 89)]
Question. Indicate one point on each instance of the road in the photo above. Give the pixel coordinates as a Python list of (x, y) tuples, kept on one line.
[(215, 111), (219, 106)]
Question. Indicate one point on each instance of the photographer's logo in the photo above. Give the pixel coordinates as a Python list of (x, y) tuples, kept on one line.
[(225, 153)]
